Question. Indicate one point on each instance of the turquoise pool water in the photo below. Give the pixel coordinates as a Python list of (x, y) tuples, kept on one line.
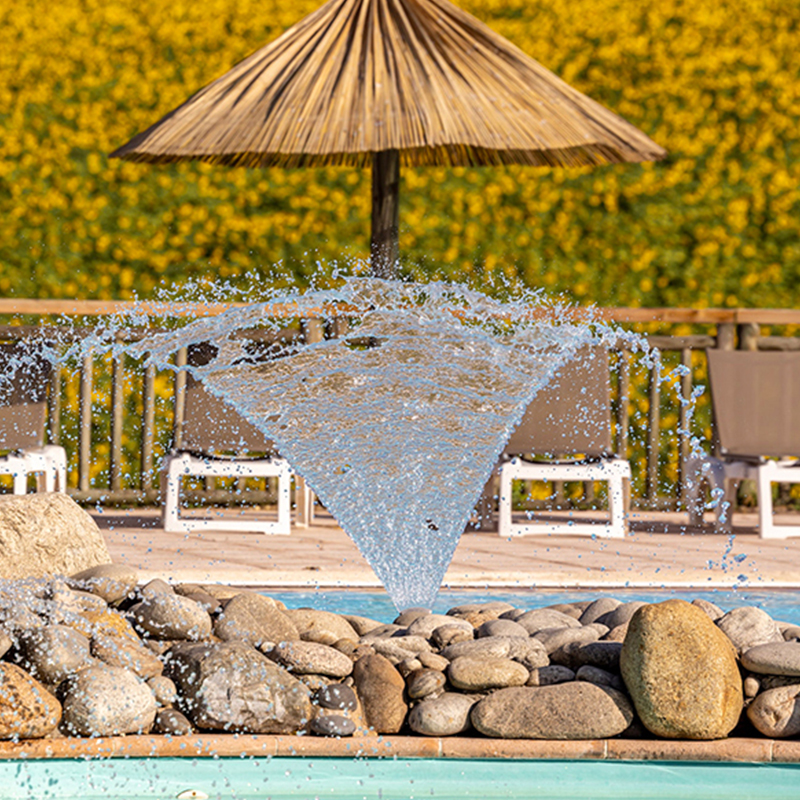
[(780, 604), (401, 779)]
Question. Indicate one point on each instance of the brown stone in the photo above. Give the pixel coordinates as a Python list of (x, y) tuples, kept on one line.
[(776, 712), (381, 690), (681, 672), (27, 709), (322, 627), (478, 674), (120, 651), (252, 618)]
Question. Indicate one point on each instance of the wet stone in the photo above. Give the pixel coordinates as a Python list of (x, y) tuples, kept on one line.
[(53, 652), (424, 682), (306, 658), (337, 696), (381, 689), (27, 709), (332, 725), (112, 582), (172, 722)]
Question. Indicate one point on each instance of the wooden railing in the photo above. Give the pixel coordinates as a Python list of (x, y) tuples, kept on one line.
[(117, 419)]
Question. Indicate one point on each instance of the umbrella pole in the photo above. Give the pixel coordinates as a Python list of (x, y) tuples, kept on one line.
[(384, 245)]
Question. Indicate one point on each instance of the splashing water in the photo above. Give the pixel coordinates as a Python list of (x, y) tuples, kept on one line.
[(397, 425)]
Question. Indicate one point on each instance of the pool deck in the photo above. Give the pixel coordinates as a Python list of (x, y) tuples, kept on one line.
[(660, 550)]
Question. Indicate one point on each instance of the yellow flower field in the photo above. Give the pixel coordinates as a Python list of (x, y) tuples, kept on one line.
[(714, 81)]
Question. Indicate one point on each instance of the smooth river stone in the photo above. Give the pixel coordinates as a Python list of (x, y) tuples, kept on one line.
[(311, 658), (748, 627), (337, 696), (427, 624), (119, 651), (323, 627), (598, 608), (447, 715), (381, 690), (780, 658), (550, 675), (529, 652), (502, 627), (27, 709), (681, 671), (541, 618), (480, 674), (555, 638), (424, 682), (776, 712), (332, 725), (249, 617), (596, 654), (575, 710), (53, 652), (621, 614), (170, 617), (112, 582)]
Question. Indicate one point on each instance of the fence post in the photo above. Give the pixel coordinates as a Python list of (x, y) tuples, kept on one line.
[(749, 333), (85, 440), (179, 400), (148, 425), (653, 431), (684, 436), (117, 424)]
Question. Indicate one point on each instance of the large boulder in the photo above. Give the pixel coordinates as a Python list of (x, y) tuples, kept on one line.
[(575, 710), (46, 534), (27, 709), (232, 687), (681, 672), (381, 690), (106, 701)]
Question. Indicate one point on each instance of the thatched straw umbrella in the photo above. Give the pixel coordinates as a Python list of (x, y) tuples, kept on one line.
[(417, 82)]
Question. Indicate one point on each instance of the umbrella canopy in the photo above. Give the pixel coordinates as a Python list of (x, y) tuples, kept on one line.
[(417, 82)]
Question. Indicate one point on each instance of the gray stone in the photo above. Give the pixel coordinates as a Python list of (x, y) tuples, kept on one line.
[(600, 677), (778, 658), (405, 618), (412, 643), (170, 722), (791, 633), (528, 651), (491, 605), (322, 627), (252, 618), (381, 690), (570, 609), (596, 654), (681, 671), (232, 687), (172, 617), (106, 701), (446, 635), (426, 625), (154, 587), (598, 608), (112, 582), (27, 709), (361, 625), (424, 682), (381, 632), (620, 615), (433, 661), (47, 534), (122, 651), (478, 674), (446, 715), (554, 638), (392, 649), (550, 675), (749, 626), (407, 666), (53, 652), (541, 618), (164, 690), (752, 686), (713, 611), (333, 725), (776, 712), (337, 696), (502, 627), (575, 710), (65, 602), (305, 658)]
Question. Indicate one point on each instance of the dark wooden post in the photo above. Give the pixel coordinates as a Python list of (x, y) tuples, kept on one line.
[(384, 248)]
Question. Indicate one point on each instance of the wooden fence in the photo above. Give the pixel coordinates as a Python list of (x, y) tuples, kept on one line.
[(117, 419)]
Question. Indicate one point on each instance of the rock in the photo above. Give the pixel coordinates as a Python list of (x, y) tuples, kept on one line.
[(752, 686), (617, 634), (479, 674), (575, 710), (337, 696), (252, 618), (596, 654), (423, 682), (776, 712), (106, 701), (171, 616), (6, 643), (381, 689), (446, 715), (779, 658), (155, 587), (392, 649), (598, 608), (412, 643), (381, 632), (446, 635), (541, 618), (791, 633), (407, 666), (426, 625), (53, 652), (170, 722), (405, 618), (47, 534), (527, 651), (502, 627), (207, 602), (322, 627), (570, 609), (749, 626), (163, 689), (104, 623), (120, 651), (600, 677), (550, 675), (433, 661), (554, 638), (112, 582), (305, 657), (65, 602), (230, 686), (620, 615), (27, 709), (361, 625), (333, 725), (498, 606), (315, 682), (681, 672), (713, 611)]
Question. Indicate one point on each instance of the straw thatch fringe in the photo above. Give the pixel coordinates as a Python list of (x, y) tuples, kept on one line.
[(362, 76)]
